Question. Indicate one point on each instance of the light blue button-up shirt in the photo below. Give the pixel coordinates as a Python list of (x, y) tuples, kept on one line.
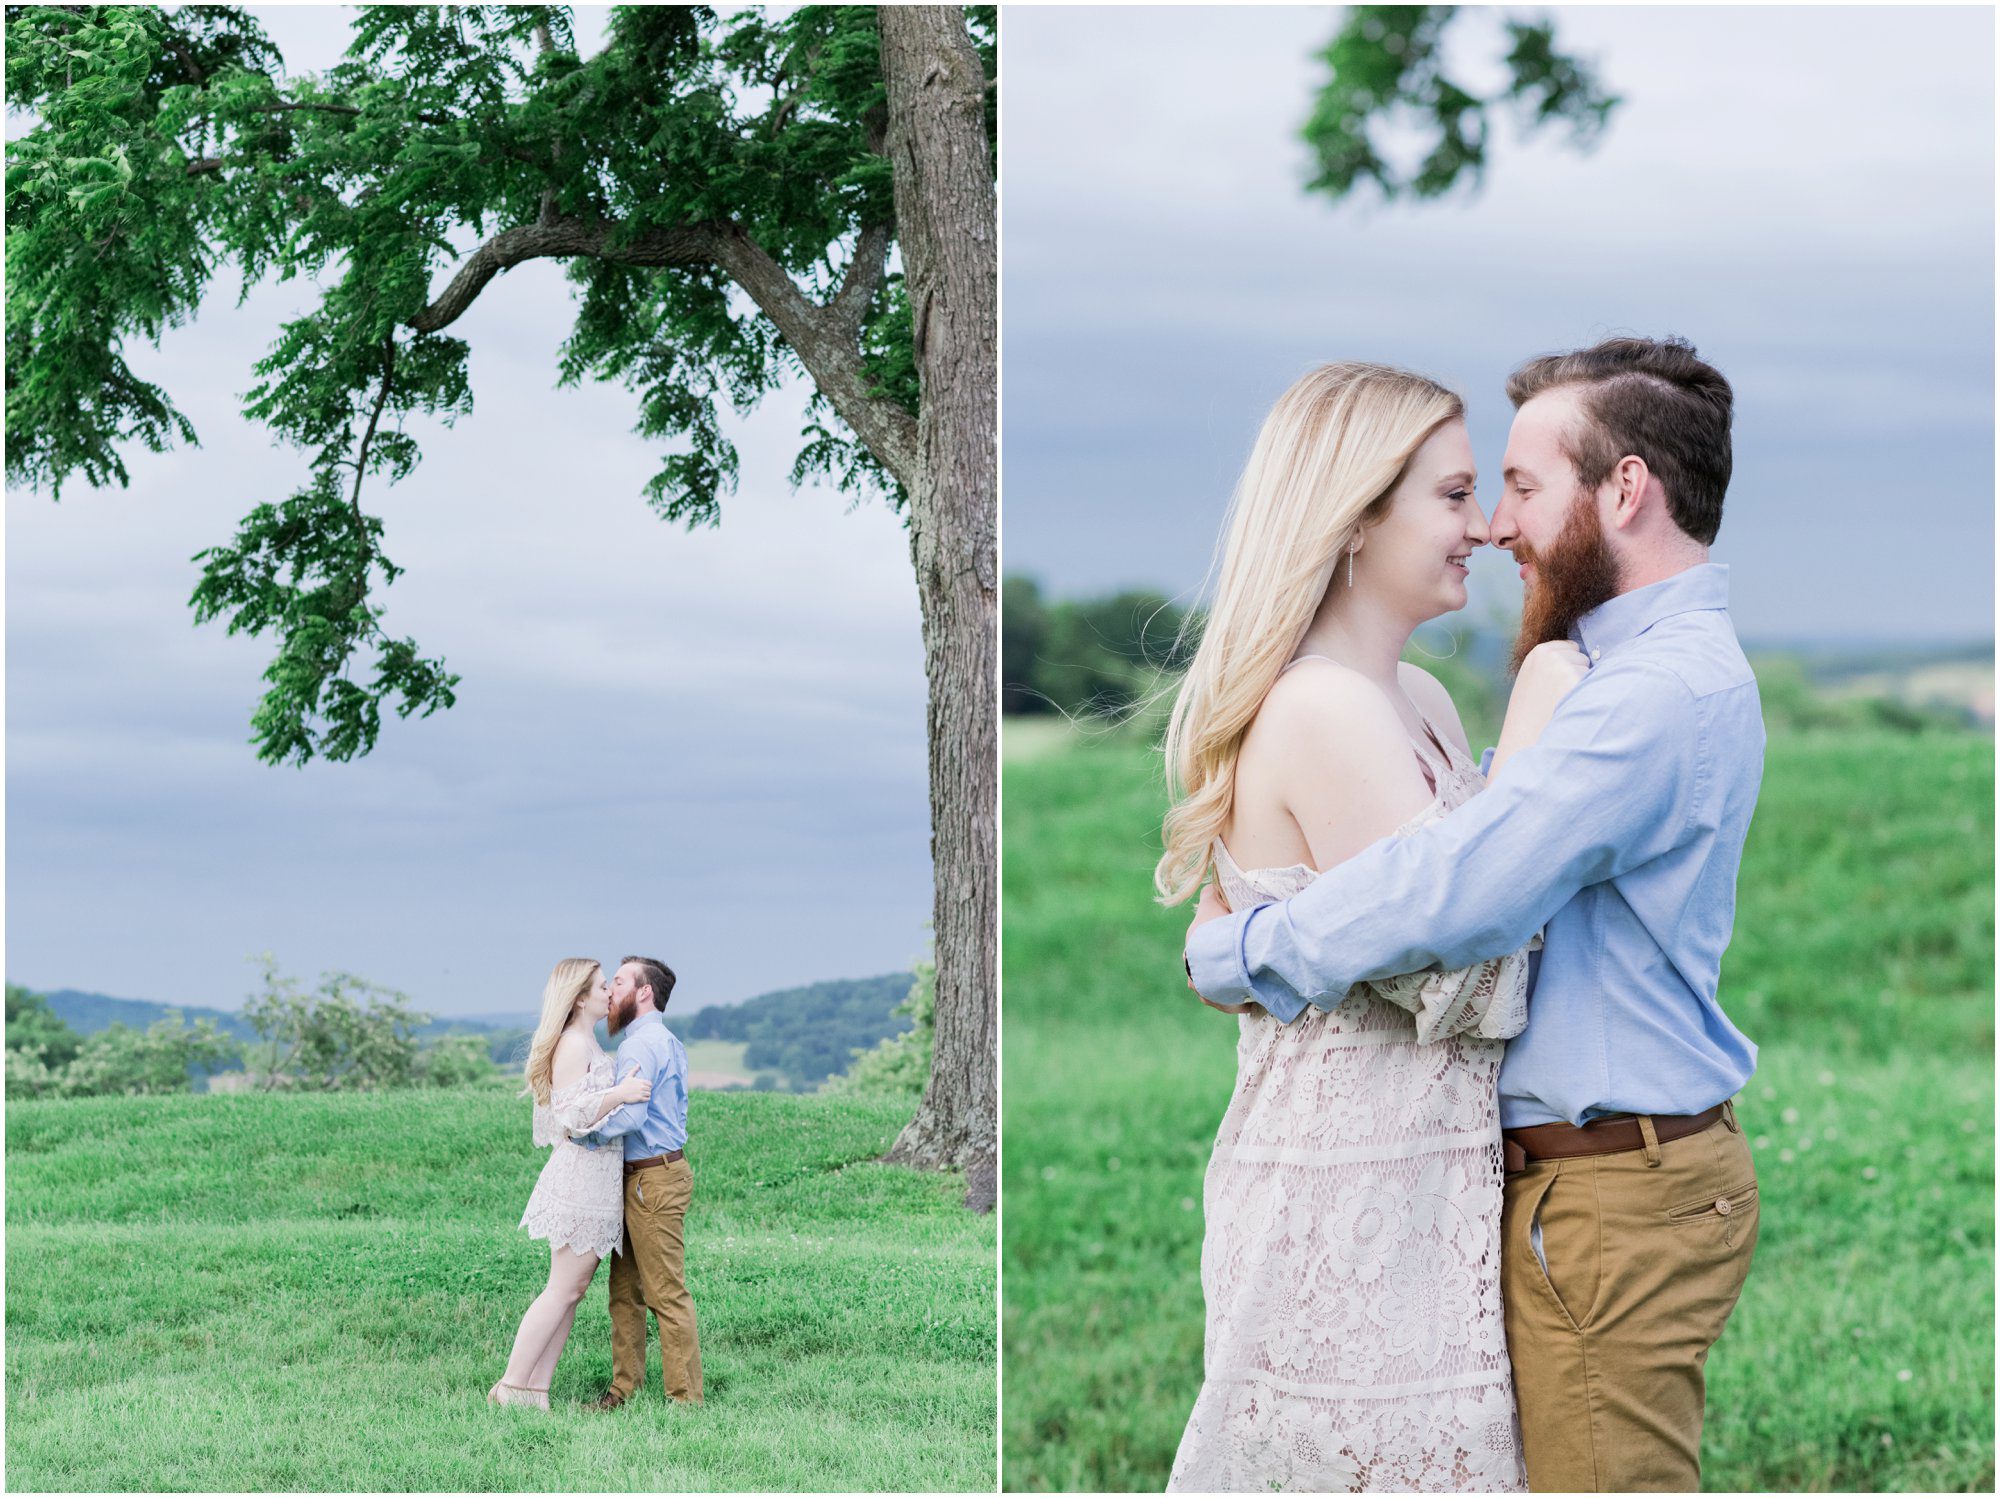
[(660, 1123), (1619, 833)]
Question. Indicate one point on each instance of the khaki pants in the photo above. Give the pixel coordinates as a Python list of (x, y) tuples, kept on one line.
[(647, 1276), (1646, 1253)]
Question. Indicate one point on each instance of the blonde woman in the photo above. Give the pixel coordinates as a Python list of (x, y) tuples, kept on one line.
[(1351, 1259), (578, 1203)]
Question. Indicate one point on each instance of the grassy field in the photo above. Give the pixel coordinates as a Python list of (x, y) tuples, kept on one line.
[(1861, 1356), (287, 1293)]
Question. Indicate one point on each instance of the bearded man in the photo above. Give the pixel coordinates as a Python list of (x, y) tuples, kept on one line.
[(648, 1272), (1630, 1199)]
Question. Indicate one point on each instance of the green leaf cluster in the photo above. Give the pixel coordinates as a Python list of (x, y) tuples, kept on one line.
[(45, 1058), (1387, 74), (34, 1029), (455, 1061), (348, 1034), (166, 145), (900, 1065)]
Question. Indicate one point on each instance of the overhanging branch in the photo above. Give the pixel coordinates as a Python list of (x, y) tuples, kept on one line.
[(695, 245), (825, 338)]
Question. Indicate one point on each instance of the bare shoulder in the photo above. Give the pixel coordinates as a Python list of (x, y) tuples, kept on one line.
[(1322, 716), (571, 1059), (1433, 701)]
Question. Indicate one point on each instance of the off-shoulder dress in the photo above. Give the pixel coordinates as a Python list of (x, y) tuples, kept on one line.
[(579, 1198), (1351, 1261)]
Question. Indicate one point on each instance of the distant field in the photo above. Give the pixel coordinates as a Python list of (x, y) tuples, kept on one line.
[(287, 1293), (1861, 1357), (718, 1063)]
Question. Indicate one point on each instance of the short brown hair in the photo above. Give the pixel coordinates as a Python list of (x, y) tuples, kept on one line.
[(1645, 398), (653, 974)]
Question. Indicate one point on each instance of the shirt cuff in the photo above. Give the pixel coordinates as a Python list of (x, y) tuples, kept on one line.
[(1215, 959)]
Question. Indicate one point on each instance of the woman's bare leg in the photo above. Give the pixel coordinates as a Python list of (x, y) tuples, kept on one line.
[(545, 1327), (544, 1372)]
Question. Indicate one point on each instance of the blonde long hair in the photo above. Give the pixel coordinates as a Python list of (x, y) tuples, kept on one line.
[(570, 981), (1328, 457)]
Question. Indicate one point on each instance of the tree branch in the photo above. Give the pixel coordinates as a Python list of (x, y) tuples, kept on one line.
[(695, 245), (824, 338), (368, 437), (864, 273), (294, 106), (826, 346)]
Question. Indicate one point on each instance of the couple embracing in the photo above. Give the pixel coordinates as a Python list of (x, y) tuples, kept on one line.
[(617, 1183), (1479, 1206)]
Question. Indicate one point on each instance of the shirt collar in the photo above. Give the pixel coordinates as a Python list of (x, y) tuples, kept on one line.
[(650, 1017), (1629, 615)]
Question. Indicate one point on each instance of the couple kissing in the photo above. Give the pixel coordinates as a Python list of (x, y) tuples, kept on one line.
[(617, 1182)]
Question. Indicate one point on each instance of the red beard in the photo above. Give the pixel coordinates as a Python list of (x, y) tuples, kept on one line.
[(1576, 574), (623, 1012)]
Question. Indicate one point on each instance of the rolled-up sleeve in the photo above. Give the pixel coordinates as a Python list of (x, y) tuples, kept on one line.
[(1612, 783)]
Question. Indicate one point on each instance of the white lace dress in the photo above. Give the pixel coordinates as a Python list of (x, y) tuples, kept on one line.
[(1352, 1257), (579, 1198)]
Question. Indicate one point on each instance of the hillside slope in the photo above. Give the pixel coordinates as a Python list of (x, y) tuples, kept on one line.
[(287, 1292)]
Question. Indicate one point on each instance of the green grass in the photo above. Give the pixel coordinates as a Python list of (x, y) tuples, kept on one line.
[(261, 1293), (1862, 966)]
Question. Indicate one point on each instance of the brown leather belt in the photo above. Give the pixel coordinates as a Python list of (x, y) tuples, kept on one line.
[(633, 1167), (1601, 1136)]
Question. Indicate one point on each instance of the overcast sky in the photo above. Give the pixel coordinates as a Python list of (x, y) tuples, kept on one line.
[(706, 747), (1806, 193)]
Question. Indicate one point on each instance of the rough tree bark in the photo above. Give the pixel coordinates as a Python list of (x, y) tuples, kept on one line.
[(945, 218)]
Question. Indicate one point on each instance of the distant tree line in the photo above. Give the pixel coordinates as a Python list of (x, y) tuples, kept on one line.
[(45, 1058), (810, 1033), (348, 1034), (899, 1065), (1103, 657), (1096, 656)]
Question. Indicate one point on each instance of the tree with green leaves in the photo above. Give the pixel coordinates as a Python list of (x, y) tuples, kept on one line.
[(738, 200), (35, 1029), (121, 1061), (1387, 75), (348, 1034)]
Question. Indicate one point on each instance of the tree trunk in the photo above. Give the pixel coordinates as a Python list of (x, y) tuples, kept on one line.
[(945, 220)]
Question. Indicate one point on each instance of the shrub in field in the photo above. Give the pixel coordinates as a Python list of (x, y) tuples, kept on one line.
[(902, 1063), (37, 1032), (349, 1033), (45, 1058), (454, 1061), (29, 1076), (123, 1061)]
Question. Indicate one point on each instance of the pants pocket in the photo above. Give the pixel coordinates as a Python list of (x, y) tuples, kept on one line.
[(1566, 1235)]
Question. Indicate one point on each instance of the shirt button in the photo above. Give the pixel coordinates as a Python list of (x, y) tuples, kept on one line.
[(1596, 654), (1722, 1205)]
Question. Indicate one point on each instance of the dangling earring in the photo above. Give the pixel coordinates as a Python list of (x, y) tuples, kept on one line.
[(1350, 566)]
